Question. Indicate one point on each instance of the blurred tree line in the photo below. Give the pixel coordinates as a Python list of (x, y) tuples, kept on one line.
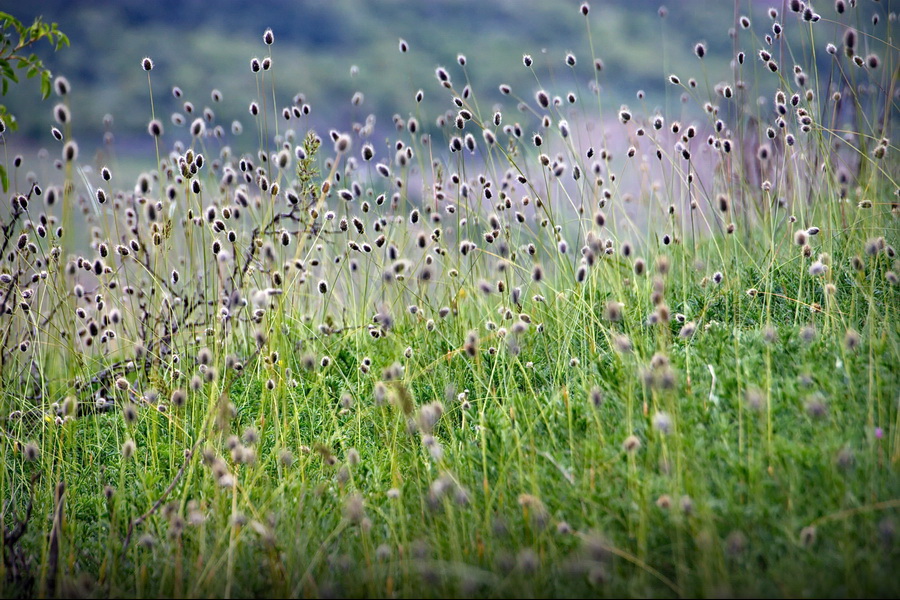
[(200, 46)]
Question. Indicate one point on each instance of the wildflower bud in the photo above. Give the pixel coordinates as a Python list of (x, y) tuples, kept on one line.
[(631, 444), (817, 268), (61, 114), (639, 266), (147, 64), (129, 446), (70, 151), (342, 144), (61, 86), (850, 40), (662, 422), (851, 340), (198, 127), (808, 536), (613, 311)]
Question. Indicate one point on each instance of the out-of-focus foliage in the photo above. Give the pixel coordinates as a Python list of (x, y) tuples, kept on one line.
[(200, 46), (16, 41)]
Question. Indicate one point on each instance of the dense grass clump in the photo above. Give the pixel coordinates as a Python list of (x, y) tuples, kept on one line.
[(563, 350)]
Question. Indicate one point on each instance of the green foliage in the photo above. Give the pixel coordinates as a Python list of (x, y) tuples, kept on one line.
[(14, 38)]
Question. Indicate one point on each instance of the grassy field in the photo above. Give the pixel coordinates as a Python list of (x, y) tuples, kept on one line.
[(563, 351)]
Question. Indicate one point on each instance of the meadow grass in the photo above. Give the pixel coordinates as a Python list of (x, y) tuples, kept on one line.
[(589, 352)]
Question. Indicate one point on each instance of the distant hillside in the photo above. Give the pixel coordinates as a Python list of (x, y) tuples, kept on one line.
[(318, 41), (199, 48)]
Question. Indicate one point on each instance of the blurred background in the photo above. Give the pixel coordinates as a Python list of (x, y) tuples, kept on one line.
[(200, 46)]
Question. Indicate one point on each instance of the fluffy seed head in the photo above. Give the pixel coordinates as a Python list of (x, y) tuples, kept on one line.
[(662, 422), (61, 86), (850, 37), (61, 114), (70, 151), (129, 446), (198, 127), (631, 444), (31, 452)]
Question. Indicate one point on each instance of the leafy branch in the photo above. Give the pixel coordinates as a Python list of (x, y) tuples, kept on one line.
[(16, 39)]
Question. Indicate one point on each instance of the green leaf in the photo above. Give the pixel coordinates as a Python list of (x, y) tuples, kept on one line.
[(32, 64), (4, 179), (46, 85), (10, 120), (10, 21)]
